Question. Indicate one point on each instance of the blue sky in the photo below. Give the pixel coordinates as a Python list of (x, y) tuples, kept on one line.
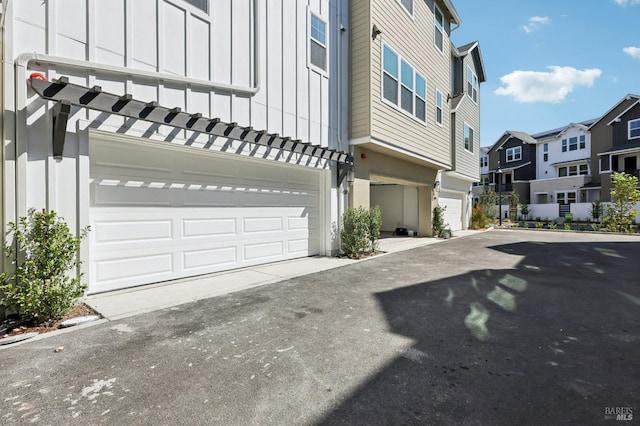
[(551, 62)]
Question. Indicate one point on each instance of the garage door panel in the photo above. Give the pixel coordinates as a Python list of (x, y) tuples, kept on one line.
[(161, 223), (453, 211)]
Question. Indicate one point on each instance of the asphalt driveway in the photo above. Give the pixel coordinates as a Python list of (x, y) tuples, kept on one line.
[(503, 327)]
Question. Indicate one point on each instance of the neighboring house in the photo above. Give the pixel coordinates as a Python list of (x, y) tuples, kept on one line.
[(467, 70), (563, 171), (616, 143), (515, 155), (193, 136), (400, 133), (485, 177)]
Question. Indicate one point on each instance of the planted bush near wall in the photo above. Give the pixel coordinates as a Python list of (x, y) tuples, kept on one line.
[(45, 283), (438, 221), (360, 231)]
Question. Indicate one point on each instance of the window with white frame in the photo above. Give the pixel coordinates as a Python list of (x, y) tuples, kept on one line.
[(200, 4), (583, 141), (545, 149), (438, 107), (438, 28), (634, 129), (484, 161), (514, 154), (468, 137), (564, 145), (573, 143), (472, 85), (402, 85), (573, 170), (318, 42), (408, 6)]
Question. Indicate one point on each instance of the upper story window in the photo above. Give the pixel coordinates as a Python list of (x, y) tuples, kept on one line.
[(583, 141), (438, 107), (573, 144), (438, 32), (576, 170), (545, 149), (200, 4), (402, 85), (564, 145), (634, 129), (514, 154), (484, 161), (472, 85), (317, 42), (468, 137), (408, 6)]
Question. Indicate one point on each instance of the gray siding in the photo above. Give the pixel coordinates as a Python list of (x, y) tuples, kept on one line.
[(621, 129), (467, 162)]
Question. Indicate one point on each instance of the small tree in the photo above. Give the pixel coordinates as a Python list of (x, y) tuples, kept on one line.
[(524, 209), (374, 224), (438, 221), (489, 201), (354, 234), (620, 216), (45, 284), (514, 199), (479, 219), (596, 210)]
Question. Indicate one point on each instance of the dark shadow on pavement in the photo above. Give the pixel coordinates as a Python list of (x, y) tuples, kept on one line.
[(554, 341)]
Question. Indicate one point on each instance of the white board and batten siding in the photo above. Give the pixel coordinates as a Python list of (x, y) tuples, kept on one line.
[(269, 210)]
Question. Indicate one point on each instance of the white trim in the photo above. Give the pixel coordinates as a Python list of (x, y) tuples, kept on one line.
[(413, 6), (629, 129), (473, 132), (441, 123), (444, 32), (622, 151), (513, 148), (460, 176), (325, 21), (402, 151), (474, 81), (623, 112), (626, 98)]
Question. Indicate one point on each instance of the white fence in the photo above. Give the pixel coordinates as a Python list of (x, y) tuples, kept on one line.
[(551, 211)]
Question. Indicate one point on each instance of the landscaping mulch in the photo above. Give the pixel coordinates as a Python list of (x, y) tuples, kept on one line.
[(14, 326)]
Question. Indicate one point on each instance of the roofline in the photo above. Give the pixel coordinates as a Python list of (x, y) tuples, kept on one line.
[(626, 98), (624, 112), (453, 11)]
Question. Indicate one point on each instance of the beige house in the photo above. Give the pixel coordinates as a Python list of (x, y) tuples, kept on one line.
[(400, 133)]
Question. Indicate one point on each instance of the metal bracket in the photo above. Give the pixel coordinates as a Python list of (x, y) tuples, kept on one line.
[(343, 170), (61, 111)]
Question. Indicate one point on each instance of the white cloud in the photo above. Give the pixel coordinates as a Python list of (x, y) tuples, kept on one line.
[(626, 2), (632, 51), (539, 86), (536, 21)]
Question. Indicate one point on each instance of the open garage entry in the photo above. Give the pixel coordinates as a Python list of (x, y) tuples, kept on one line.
[(398, 205)]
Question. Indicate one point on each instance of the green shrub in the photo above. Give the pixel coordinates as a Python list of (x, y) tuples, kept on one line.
[(479, 218), (438, 221), (538, 225), (581, 227), (553, 225), (596, 210), (621, 214), (526, 225), (524, 209), (595, 227), (46, 283), (374, 223), (567, 226), (355, 232)]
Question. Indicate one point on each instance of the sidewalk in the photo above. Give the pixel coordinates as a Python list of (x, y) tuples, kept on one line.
[(129, 302)]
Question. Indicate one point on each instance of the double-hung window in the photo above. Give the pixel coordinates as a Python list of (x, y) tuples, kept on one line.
[(402, 85), (468, 137), (634, 129), (318, 42), (438, 28), (573, 143), (514, 154), (472, 85), (564, 145), (439, 107), (583, 141), (545, 149), (406, 88), (484, 161)]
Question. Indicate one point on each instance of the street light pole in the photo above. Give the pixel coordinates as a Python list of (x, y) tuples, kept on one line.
[(499, 173)]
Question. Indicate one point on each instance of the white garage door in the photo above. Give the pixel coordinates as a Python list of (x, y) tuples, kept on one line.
[(453, 212), (160, 213)]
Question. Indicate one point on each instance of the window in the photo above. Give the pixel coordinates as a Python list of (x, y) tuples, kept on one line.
[(318, 43), (583, 142), (562, 171), (200, 4), (573, 143), (468, 137), (402, 85), (545, 149), (514, 154), (634, 129), (390, 75), (605, 163), (472, 85), (438, 107), (408, 5), (438, 28), (484, 161), (584, 169), (577, 170)]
